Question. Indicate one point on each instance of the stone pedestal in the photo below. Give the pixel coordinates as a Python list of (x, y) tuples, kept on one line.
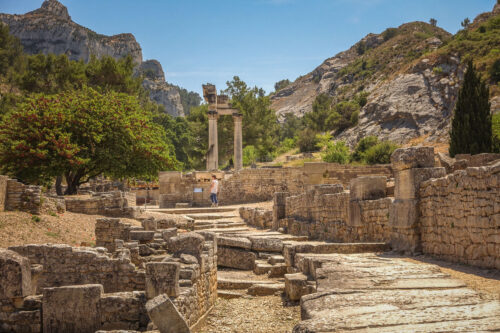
[(238, 142), (213, 148)]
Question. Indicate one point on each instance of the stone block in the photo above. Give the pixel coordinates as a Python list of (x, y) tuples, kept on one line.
[(149, 224), (162, 278), (142, 236), (72, 308), (3, 192), (165, 315), (413, 157), (368, 188), (403, 213), (235, 258), (266, 244), (407, 182), (15, 275), (189, 243), (266, 289), (277, 270), (169, 233), (239, 242), (296, 286), (276, 259)]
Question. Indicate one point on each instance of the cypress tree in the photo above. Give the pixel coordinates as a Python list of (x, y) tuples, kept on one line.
[(471, 125)]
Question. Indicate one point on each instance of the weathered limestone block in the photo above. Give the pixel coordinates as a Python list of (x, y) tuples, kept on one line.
[(239, 242), (189, 243), (408, 181), (149, 224), (15, 275), (3, 192), (368, 188), (413, 157), (296, 286), (404, 213), (142, 236), (266, 244), (235, 258), (266, 289), (72, 308), (162, 278), (124, 310), (165, 315), (277, 270)]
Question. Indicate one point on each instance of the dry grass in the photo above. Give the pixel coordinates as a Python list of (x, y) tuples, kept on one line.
[(17, 228)]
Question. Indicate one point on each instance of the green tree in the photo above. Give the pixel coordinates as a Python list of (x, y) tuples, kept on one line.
[(281, 85), (308, 141), (433, 22), (495, 71), (321, 117), (179, 136), (249, 155), (361, 148), (336, 152), (260, 124), (11, 55), (465, 23), (380, 153), (81, 134), (471, 125), (290, 126), (496, 133)]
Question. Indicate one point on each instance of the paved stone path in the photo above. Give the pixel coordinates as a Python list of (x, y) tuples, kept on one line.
[(379, 293), (355, 292)]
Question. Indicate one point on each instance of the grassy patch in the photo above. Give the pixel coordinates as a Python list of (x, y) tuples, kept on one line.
[(52, 234), (35, 218)]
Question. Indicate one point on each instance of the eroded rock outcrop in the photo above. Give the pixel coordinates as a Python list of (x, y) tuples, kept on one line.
[(50, 29)]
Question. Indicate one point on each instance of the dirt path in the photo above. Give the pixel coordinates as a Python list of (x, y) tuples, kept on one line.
[(263, 314)]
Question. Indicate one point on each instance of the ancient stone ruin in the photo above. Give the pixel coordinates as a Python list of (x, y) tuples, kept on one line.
[(341, 250)]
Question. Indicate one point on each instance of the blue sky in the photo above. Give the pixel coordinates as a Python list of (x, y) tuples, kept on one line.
[(262, 41)]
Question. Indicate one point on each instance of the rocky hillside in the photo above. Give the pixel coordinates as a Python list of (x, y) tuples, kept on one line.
[(412, 75), (50, 29)]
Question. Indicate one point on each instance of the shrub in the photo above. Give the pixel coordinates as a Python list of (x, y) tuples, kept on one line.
[(307, 141), (336, 152), (380, 153), (437, 70), (362, 146), (287, 145), (355, 118), (389, 33), (496, 133), (323, 140), (249, 155)]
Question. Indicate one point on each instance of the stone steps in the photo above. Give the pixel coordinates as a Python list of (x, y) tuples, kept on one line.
[(198, 217), (234, 284), (192, 210), (228, 294)]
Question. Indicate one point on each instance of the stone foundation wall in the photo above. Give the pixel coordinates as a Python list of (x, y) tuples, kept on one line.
[(254, 185), (257, 217), (460, 216), (64, 265), (327, 212), (29, 198), (113, 204)]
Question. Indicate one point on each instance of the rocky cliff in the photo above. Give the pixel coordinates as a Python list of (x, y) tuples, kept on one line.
[(412, 77), (50, 29)]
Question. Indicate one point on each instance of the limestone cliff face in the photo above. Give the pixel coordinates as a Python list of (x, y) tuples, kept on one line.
[(160, 91), (50, 29), (412, 84)]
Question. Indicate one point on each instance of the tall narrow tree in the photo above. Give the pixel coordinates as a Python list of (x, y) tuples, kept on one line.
[(471, 124)]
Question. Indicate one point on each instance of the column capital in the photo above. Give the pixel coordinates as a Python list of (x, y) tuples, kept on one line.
[(212, 114), (237, 116)]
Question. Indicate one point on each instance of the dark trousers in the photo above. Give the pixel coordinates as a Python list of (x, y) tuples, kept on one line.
[(213, 198)]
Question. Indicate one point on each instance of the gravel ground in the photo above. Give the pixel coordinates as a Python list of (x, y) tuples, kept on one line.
[(17, 228), (252, 315)]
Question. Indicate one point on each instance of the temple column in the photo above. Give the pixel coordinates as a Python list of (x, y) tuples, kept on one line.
[(238, 142), (213, 148)]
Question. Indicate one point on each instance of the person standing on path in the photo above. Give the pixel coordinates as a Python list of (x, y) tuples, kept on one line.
[(214, 190)]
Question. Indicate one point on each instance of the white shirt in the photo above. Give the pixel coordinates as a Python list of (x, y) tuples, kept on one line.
[(215, 186)]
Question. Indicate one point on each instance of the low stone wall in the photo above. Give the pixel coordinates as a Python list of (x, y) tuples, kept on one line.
[(257, 217), (113, 204), (64, 265), (460, 216), (327, 212), (255, 185), (29, 198)]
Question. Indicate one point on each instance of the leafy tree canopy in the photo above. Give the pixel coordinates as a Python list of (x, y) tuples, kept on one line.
[(82, 134)]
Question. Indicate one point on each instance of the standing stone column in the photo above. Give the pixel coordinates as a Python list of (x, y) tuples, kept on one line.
[(238, 142), (213, 148)]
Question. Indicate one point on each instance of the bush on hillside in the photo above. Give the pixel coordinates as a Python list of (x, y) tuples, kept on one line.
[(336, 152), (363, 145), (308, 141), (380, 153), (249, 155)]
